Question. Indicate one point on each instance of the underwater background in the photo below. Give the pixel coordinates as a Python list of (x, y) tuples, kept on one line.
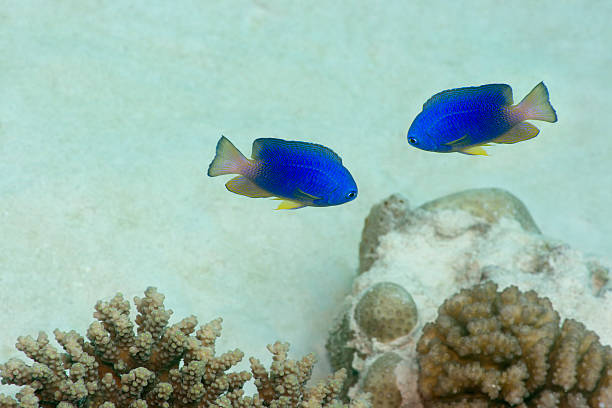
[(110, 113)]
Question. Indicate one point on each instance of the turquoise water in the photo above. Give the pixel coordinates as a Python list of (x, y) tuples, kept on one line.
[(109, 116)]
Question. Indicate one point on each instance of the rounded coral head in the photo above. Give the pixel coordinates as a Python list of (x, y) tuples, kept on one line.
[(386, 311)]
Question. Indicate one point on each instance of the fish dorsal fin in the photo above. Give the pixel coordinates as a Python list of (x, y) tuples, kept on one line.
[(474, 150), (520, 132), (265, 148), (492, 93), (243, 186)]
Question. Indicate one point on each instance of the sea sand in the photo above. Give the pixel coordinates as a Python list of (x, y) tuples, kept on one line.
[(110, 112)]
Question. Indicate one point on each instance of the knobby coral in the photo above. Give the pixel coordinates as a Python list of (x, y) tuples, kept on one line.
[(158, 366), (386, 311), (489, 348)]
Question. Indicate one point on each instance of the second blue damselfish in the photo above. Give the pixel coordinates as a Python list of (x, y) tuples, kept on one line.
[(300, 173), (465, 119)]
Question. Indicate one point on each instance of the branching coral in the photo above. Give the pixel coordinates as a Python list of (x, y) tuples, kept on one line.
[(489, 348), (158, 366)]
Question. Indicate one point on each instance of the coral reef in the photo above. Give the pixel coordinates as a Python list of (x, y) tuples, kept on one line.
[(383, 218), (386, 311), (383, 313), (380, 381), (158, 366), (451, 243), (505, 348), (600, 277), (341, 352), (490, 204)]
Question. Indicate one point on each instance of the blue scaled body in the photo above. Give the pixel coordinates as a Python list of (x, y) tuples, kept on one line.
[(464, 119), (300, 173)]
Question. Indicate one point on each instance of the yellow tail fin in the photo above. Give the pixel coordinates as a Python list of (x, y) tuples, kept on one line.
[(228, 159), (536, 105)]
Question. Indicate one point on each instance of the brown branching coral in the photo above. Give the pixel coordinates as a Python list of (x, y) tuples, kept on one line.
[(489, 348), (155, 366)]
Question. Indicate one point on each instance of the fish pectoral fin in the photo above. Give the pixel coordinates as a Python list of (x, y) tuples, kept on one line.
[(522, 131), (289, 205), (456, 141), (474, 150), (243, 186), (300, 194)]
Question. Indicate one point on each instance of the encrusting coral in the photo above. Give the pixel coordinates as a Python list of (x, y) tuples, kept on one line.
[(341, 353), (158, 366), (386, 311), (489, 348), (381, 381)]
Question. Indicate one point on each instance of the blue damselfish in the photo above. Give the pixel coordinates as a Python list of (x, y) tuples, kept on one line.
[(300, 173), (464, 119)]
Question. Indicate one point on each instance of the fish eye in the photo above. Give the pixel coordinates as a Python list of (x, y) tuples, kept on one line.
[(412, 140), (352, 194)]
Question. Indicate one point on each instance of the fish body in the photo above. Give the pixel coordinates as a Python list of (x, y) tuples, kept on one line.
[(300, 173), (464, 119)]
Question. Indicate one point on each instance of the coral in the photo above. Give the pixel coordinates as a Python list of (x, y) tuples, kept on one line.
[(386, 311), (381, 382), (384, 217), (455, 242), (490, 204), (158, 366), (600, 277), (340, 352), (489, 348)]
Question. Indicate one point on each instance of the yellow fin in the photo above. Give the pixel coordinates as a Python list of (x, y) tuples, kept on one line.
[(228, 159), (474, 150), (289, 205), (522, 131), (302, 195), (454, 142), (536, 105), (243, 186)]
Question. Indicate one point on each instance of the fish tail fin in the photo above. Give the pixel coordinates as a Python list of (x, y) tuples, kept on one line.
[(228, 159), (536, 105)]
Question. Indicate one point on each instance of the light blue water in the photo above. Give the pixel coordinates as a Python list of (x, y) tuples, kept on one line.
[(109, 115)]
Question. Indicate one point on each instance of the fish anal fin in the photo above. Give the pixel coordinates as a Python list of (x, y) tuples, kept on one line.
[(522, 131), (474, 150), (243, 186), (290, 205)]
